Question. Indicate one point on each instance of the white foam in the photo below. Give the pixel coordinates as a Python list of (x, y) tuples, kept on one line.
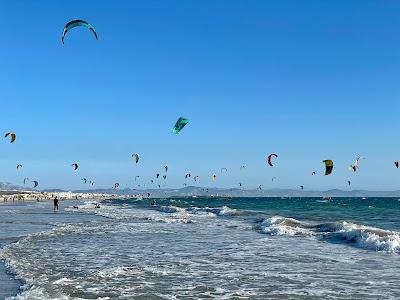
[(371, 237), (278, 225)]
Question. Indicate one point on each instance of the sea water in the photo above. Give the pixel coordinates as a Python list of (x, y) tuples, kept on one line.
[(206, 248)]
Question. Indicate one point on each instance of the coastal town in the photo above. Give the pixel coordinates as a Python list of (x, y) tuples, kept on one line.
[(7, 196)]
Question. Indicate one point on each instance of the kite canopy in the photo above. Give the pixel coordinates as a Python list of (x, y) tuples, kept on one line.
[(84, 180), (116, 185), (270, 158), (195, 178), (12, 135), (75, 166), (25, 180), (354, 167), (166, 168), (302, 187), (19, 166), (180, 124), (214, 177), (328, 166), (349, 182), (76, 23), (135, 157), (188, 175), (396, 163), (35, 183)]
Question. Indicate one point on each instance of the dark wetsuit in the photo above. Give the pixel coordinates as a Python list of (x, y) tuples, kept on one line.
[(55, 204)]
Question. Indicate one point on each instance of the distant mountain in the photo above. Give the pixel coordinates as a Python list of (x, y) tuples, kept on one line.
[(191, 191), (7, 186)]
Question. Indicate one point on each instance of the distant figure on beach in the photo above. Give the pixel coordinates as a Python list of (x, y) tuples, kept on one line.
[(55, 203), (153, 203)]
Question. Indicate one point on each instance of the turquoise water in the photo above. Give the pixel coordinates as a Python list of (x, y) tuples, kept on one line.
[(201, 248), (380, 212)]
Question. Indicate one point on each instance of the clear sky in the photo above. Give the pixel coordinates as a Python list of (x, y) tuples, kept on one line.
[(309, 80)]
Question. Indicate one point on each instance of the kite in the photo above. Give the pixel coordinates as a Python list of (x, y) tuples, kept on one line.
[(12, 135), (166, 169), (269, 160), (84, 180), (76, 23), (188, 175), (355, 166), (396, 163), (75, 166), (35, 183), (214, 177), (25, 180), (19, 166), (180, 124), (328, 166), (135, 157)]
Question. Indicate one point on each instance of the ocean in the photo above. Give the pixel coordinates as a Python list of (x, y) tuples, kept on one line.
[(203, 248)]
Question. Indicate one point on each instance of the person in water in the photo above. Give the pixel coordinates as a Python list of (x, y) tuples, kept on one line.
[(55, 203)]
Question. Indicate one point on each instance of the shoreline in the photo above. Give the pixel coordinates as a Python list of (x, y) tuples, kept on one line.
[(9, 197), (13, 230), (10, 286)]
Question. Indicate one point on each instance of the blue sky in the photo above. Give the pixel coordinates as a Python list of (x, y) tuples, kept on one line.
[(309, 80)]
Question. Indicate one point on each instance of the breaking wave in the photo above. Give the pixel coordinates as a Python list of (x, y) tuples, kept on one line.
[(361, 236)]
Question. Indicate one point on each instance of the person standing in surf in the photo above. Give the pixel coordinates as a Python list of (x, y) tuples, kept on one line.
[(55, 204)]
